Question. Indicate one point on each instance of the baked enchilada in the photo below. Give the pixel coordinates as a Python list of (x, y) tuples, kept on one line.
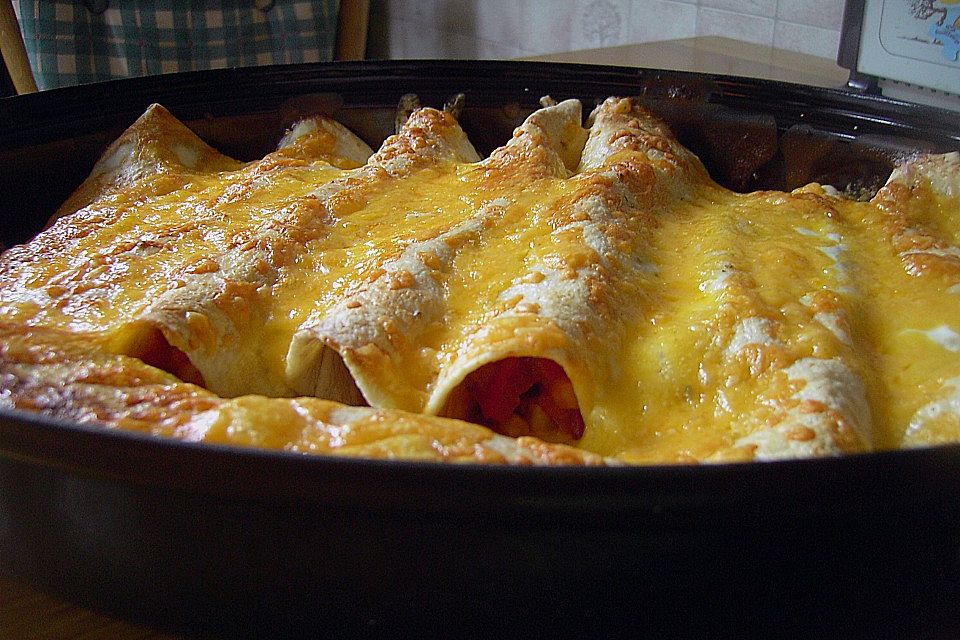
[(585, 294)]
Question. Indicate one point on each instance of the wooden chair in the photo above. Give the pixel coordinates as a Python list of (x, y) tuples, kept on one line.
[(350, 40), (13, 50)]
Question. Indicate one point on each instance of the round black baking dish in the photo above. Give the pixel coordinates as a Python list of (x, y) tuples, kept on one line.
[(241, 542)]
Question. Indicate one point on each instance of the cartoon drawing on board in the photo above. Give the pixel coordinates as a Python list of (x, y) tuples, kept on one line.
[(946, 29)]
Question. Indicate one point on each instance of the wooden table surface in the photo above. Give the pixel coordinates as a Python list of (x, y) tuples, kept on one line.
[(29, 614), (26, 613)]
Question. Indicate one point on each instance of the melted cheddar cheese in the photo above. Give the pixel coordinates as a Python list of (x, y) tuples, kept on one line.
[(589, 293)]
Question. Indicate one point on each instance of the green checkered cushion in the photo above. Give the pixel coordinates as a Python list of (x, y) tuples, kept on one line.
[(68, 43)]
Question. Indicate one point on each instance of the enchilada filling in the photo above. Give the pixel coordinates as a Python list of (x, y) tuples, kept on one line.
[(523, 396), (153, 348)]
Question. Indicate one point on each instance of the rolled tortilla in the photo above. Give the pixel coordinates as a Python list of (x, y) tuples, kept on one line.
[(157, 147), (570, 303), (752, 349), (325, 140), (916, 223)]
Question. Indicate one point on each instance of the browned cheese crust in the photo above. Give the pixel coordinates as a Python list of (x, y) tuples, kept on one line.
[(584, 295)]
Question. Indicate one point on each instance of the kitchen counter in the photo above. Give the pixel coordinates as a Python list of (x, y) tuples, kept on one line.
[(715, 55), (28, 613)]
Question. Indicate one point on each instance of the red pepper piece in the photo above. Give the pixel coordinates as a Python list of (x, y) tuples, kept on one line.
[(500, 397)]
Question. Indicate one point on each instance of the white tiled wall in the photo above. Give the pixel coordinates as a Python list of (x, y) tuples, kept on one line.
[(517, 28)]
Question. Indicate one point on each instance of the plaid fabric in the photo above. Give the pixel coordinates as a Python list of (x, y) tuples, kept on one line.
[(69, 44)]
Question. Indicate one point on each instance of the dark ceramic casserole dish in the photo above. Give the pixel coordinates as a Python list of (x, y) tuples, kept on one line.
[(260, 543)]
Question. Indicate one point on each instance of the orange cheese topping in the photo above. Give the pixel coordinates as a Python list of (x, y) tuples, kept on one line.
[(732, 292)]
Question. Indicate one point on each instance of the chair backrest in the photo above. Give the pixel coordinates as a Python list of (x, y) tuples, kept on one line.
[(71, 42), (13, 51)]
